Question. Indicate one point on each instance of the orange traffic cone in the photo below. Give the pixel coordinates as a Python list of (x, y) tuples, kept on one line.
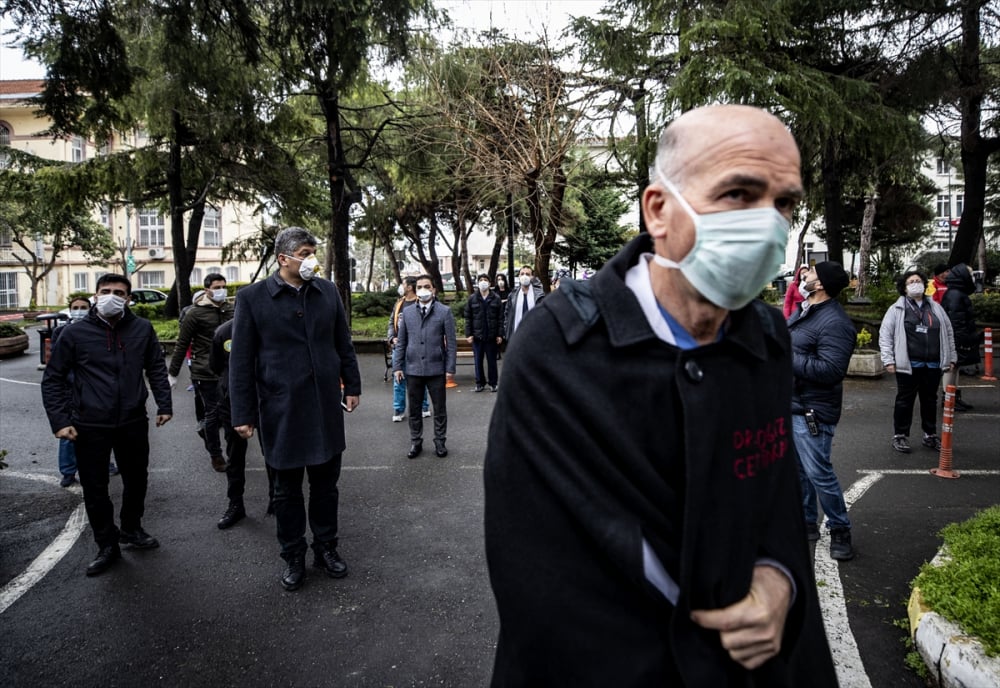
[(988, 372), (944, 460)]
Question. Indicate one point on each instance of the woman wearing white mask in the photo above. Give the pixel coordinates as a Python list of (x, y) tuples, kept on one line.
[(917, 345)]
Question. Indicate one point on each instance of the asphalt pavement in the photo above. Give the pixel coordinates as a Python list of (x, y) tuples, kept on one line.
[(206, 608)]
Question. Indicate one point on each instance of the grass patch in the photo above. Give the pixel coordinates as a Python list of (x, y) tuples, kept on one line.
[(965, 588)]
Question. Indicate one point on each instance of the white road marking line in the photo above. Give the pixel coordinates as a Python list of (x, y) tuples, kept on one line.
[(50, 556), (18, 382), (843, 647)]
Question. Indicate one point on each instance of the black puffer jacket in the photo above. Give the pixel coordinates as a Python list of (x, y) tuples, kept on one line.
[(958, 306), (482, 314), (823, 339)]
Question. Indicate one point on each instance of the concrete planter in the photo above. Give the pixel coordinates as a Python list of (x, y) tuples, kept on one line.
[(865, 364), (13, 346)]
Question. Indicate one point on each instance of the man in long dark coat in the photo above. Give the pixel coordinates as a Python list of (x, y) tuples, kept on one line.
[(291, 351), (646, 529)]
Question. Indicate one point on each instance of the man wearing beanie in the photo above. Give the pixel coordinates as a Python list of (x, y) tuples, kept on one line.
[(823, 338)]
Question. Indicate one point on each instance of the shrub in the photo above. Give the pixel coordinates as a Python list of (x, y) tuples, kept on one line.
[(373, 303), (166, 330), (458, 305), (864, 338), (986, 307), (964, 587), (149, 311), (10, 330)]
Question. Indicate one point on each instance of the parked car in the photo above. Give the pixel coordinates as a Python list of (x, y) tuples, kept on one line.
[(149, 296)]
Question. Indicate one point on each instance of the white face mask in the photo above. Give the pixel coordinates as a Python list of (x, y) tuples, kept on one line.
[(308, 267), (219, 295), (525, 280), (484, 287), (400, 290), (424, 295), (914, 290), (735, 252), (78, 314), (804, 289), (110, 305)]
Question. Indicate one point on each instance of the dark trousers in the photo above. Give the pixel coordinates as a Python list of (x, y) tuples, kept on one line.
[(923, 383), (290, 509), (236, 456), (208, 392), (130, 444), (485, 347), (435, 386)]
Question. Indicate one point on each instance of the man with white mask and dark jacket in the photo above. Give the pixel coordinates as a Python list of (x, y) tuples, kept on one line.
[(95, 396), (823, 339), (528, 294), (651, 532)]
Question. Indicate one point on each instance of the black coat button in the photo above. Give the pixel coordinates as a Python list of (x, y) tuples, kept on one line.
[(693, 371)]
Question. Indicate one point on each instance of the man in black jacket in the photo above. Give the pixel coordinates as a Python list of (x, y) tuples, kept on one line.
[(957, 304), (196, 331), (648, 530), (95, 396), (483, 312), (823, 338)]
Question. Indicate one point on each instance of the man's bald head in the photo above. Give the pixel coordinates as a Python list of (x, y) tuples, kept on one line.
[(697, 133)]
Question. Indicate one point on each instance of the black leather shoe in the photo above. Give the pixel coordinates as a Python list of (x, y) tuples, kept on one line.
[(440, 449), (328, 560), (234, 514), (415, 450), (295, 572), (138, 539), (219, 464), (105, 558)]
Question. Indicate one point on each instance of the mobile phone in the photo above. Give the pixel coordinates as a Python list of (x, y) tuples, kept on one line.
[(811, 423)]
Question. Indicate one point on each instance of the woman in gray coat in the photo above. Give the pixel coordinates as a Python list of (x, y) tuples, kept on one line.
[(917, 345)]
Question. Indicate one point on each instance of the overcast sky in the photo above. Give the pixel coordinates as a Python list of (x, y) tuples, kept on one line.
[(526, 19)]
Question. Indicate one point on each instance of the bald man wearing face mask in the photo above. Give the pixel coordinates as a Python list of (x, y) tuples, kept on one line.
[(651, 531)]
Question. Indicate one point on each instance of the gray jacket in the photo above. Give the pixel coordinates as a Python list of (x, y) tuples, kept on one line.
[(514, 302), (892, 337), (425, 346)]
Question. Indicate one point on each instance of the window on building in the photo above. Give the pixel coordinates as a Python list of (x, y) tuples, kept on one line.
[(81, 281), (106, 215), (104, 148), (959, 204), (98, 275), (196, 277), (943, 205), (8, 290), (77, 149), (211, 227), (215, 269), (6, 238), (482, 265), (4, 141), (232, 274), (151, 279), (151, 230), (942, 166), (942, 246)]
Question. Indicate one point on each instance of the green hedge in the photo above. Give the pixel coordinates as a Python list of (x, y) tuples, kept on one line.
[(373, 303)]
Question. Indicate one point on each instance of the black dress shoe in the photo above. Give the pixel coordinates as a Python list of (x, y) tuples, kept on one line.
[(328, 560), (440, 449), (295, 572), (138, 539), (234, 514), (415, 450), (105, 558)]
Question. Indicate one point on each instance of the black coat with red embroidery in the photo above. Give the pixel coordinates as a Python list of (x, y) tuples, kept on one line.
[(604, 436)]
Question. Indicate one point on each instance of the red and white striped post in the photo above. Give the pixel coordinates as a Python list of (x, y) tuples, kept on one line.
[(988, 372), (947, 423)]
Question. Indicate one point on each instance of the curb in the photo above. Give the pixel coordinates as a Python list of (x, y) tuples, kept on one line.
[(954, 658)]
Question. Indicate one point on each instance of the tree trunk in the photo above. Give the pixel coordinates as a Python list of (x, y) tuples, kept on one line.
[(371, 267), (832, 203), (867, 225), (338, 264), (557, 195), (175, 196)]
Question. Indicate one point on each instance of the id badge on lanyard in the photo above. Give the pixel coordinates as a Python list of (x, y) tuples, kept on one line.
[(921, 328)]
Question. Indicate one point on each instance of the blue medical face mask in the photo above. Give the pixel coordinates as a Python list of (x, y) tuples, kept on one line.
[(735, 253)]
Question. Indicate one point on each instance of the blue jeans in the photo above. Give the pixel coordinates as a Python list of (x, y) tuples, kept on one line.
[(399, 396), (67, 457), (816, 474), (487, 348)]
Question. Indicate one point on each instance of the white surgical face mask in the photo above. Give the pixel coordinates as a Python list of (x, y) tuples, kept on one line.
[(110, 305), (308, 267), (914, 290), (484, 286), (400, 290), (804, 289), (735, 252), (525, 280), (424, 295), (75, 314), (219, 295)]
